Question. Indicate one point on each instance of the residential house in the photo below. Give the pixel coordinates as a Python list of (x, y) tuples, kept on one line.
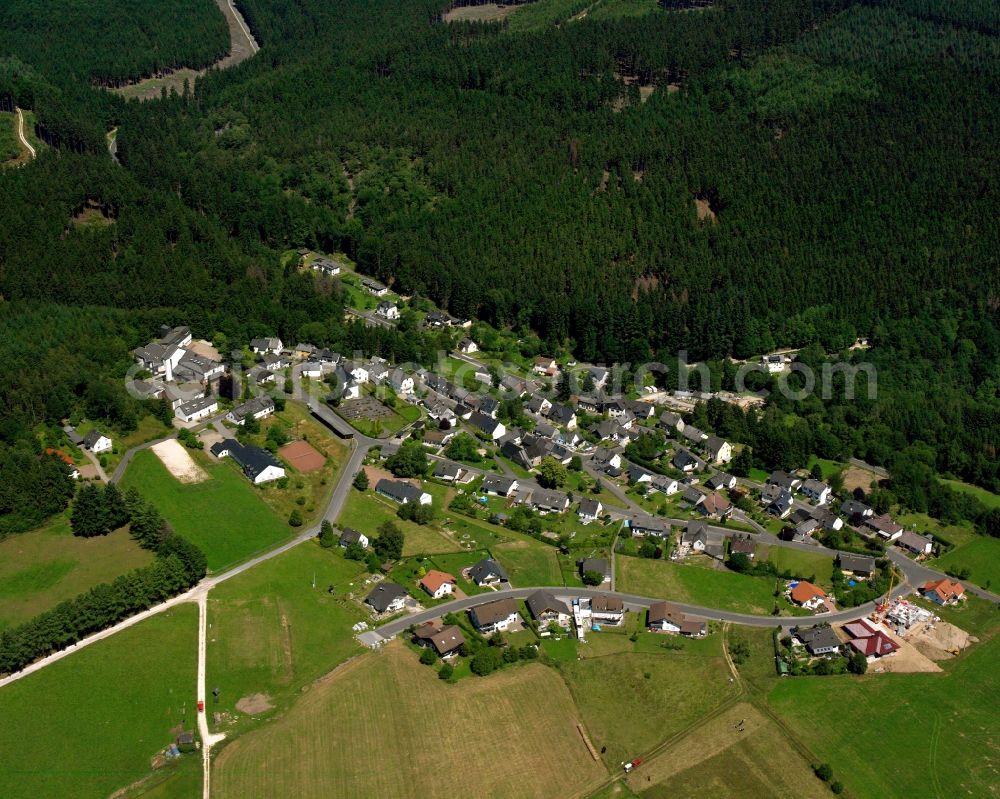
[(261, 345), (599, 565), (438, 584), (538, 404), (549, 501), (870, 641), (715, 506), (373, 287), (667, 486), (671, 422), (326, 266), (259, 465), (489, 405), (563, 415), (884, 527), (719, 451), (720, 481), (274, 361), (498, 485), (446, 640), (546, 609), (818, 640), (640, 409), (915, 543), (784, 480), (687, 462), (816, 490), (197, 409), (668, 618), (311, 369), (97, 442), (607, 610), (650, 526), (402, 492), (856, 511), (776, 500), (636, 475), (490, 427), (488, 573), (256, 408), (590, 510), (611, 430), (400, 381), (599, 375), (351, 536), (772, 364), (545, 366), (447, 471), (856, 565), (943, 592), (693, 434), (467, 346), (179, 336), (387, 310), (605, 456), (386, 598), (807, 595), (500, 614), (743, 544), (517, 454)]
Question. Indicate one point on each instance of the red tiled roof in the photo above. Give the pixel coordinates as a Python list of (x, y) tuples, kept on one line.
[(878, 645), (434, 579), (804, 591), (944, 588)]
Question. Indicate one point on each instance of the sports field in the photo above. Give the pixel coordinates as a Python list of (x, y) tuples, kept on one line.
[(633, 701), (89, 724), (272, 632), (696, 585), (904, 735), (385, 726), (222, 515), (41, 568)]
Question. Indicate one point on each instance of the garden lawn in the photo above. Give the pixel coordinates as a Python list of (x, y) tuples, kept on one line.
[(981, 555), (696, 585), (88, 725), (802, 564), (934, 734), (529, 564), (41, 568), (272, 632), (224, 516), (366, 512)]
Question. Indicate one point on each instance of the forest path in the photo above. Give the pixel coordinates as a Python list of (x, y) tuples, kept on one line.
[(20, 134)]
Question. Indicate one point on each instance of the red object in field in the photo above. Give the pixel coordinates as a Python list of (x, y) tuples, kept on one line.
[(636, 762), (201, 707)]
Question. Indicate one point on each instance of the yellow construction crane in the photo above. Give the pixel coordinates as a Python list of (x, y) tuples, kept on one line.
[(883, 606)]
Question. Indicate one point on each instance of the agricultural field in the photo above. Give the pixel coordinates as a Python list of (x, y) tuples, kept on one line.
[(272, 632), (715, 759), (631, 702), (933, 733), (41, 568), (380, 703), (981, 555), (223, 515), (697, 585), (90, 724)]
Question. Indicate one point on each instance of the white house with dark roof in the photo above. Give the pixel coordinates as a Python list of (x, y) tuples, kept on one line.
[(402, 492), (488, 572), (590, 510), (498, 485), (816, 490), (386, 598), (197, 409), (256, 408), (259, 346), (546, 609), (259, 465), (97, 442), (719, 450)]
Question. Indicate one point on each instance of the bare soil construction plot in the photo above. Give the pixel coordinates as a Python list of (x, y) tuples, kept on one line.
[(179, 462), (855, 477), (939, 640)]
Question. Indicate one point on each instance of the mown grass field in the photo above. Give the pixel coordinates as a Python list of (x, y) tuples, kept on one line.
[(981, 555), (88, 724), (529, 564), (41, 568), (904, 735), (632, 701), (386, 726), (988, 498), (802, 564), (272, 632), (717, 760), (696, 585), (223, 515)]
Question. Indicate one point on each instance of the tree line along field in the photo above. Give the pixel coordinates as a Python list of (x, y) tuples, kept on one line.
[(223, 515), (90, 724), (387, 708), (40, 568)]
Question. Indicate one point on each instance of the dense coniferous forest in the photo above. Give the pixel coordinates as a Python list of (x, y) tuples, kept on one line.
[(845, 153)]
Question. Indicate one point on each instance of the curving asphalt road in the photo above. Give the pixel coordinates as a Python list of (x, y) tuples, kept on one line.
[(632, 602)]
